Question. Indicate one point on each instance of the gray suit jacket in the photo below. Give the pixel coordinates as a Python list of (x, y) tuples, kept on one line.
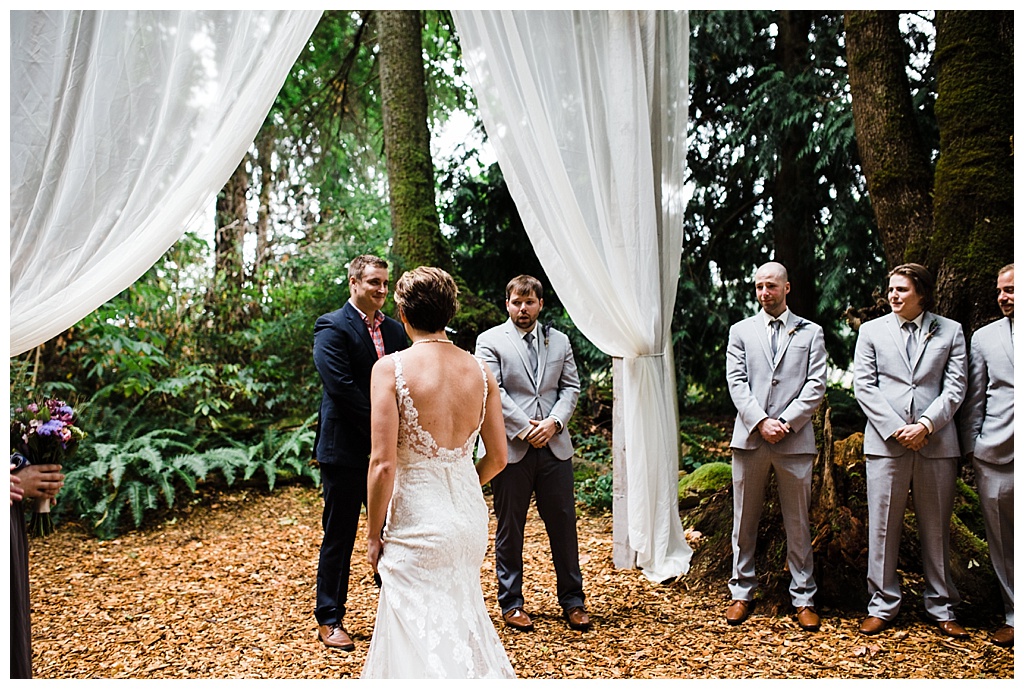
[(522, 396), (894, 391), (791, 387), (986, 420)]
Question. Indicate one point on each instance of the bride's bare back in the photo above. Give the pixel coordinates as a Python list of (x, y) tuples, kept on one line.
[(447, 389)]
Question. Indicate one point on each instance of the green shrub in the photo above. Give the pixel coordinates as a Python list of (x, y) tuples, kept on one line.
[(700, 443), (596, 492)]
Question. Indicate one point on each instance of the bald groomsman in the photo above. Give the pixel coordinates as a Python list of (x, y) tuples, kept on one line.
[(775, 369), (987, 435)]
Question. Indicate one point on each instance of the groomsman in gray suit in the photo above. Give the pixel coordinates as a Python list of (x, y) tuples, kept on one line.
[(910, 377), (986, 430), (775, 369), (536, 372)]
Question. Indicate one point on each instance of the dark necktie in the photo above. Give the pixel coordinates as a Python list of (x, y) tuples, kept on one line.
[(532, 351), (911, 340), (776, 324)]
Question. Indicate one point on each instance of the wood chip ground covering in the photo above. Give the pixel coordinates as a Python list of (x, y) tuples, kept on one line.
[(225, 590)]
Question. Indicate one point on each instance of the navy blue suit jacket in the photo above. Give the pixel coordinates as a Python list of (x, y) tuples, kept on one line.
[(344, 355)]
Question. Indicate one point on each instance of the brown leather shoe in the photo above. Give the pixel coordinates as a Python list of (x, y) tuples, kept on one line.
[(1003, 637), (808, 619), (737, 612), (578, 619), (952, 628), (873, 625), (335, 636), (518, 619)]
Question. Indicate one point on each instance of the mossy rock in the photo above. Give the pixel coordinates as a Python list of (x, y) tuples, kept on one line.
[(703, 481)]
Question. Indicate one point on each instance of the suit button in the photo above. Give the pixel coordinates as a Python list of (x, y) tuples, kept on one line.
[(775, 382)]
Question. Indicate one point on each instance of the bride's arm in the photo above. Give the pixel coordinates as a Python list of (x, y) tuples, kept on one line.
[(493, 434), (380, 481)]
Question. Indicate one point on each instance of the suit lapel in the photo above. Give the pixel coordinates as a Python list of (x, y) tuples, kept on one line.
[(359, 326), (787, 335), (892, 324), (1006, 339), (923, 337), (761, 334), (516, 342)]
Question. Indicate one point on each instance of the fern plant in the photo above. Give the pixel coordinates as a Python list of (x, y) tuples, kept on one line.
[(128, 478)]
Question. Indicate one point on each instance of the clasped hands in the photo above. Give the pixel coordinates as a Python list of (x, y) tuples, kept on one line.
[(913, 436), (541, 433), (772, 430)]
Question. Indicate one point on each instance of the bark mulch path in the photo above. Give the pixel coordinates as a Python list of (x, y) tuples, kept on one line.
[(225, 590)]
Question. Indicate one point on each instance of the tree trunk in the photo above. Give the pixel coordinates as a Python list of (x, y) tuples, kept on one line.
[(894, 158), (973, 234), (416, 228), (794, 206), (232, 223), (265, 151), (415, 224)]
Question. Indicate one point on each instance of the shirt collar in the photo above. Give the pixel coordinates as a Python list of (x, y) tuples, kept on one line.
[(523, 333), (377, 320), (783, 318), (919, 321)]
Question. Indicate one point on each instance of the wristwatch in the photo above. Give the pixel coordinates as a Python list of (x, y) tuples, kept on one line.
[(558, 424)]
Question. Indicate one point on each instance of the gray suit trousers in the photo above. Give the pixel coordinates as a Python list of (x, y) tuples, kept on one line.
[(889, 483), (542, 474), (995, 491), (750, 470)]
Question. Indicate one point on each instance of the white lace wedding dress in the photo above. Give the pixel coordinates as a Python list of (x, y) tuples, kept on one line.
[(432, 621)]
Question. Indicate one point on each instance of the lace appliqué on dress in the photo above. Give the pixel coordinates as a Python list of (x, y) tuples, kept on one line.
[(432, 621)]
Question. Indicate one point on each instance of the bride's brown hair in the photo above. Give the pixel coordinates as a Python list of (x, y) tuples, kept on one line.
[(428, 298)]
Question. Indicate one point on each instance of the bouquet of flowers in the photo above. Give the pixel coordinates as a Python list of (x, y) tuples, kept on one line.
[(45, 434)]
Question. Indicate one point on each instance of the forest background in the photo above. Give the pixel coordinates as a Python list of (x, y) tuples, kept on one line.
[(840, 144)]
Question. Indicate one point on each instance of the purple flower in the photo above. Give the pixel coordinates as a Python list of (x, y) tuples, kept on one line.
[(33, 407), (51, 427)]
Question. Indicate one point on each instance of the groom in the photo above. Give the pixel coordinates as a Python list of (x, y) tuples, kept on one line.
[(346, 345), (536, 372)]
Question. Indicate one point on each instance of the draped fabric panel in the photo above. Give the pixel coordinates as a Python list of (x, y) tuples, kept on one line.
[(586, 111), (124, 125)]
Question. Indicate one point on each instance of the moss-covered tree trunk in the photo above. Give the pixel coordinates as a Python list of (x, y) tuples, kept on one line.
[(973, 216), (894, 158), (415, 224), (417, 229)]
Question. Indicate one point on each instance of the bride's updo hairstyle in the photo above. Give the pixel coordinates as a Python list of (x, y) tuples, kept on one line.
[(428, 298)]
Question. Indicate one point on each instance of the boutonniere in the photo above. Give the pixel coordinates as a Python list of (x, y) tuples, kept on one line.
[(796, 327), (932, 329)]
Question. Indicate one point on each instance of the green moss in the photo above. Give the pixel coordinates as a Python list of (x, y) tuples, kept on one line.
[(706, 479)]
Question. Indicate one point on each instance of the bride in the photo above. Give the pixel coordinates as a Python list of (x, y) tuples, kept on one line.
[(430, 403)]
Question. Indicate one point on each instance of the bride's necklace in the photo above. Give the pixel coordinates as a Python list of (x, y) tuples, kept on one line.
[(431, 339)]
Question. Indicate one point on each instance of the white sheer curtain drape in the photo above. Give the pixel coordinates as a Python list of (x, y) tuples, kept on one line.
[(586, 111), (123, 126)]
